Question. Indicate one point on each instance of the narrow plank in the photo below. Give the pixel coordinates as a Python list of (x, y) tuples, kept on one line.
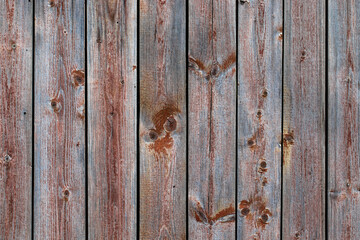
[(112, 121), (16, 23), (212, 119), (304, 120), (259, 118), (162, 119), (343, 125), (59, 194)]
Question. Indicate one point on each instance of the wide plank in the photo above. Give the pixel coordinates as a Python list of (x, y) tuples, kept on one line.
[(304, 120), (59, 194), (212, 119), (343, 122), (260, 40), (112, 121), (16, 45), (162, 133)]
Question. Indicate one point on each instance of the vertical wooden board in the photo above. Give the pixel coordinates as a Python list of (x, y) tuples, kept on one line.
[(112, 110), (16, 23), (304, 120), (259, 118), (59, 194), (162, 119), (212, 119), (343, 124)]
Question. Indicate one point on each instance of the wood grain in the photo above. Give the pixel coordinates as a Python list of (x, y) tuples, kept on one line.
[(304, 120), (162, 120), (16, 23), (260, 40), (112, 121), (59, 194), (212, 119), (343, 105)]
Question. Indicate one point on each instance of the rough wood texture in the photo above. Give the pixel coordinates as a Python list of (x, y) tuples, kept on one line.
[(112, 119), (15, 119), (212, 119), (59, 194), (304, 120), (162, 119), (260, 40), (343, 135)]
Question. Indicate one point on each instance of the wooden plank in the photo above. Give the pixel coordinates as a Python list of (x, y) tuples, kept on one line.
[(304, 120), (212, 119), (16, 23), (162, 119), (343, 105), (59, 194), (112, 121), (259, 118)]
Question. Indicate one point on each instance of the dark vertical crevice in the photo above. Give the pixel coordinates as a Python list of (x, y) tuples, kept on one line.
[(282, 121), (326, 116), (187, 116), (138, 121), (33, 123), (86, 130), (237, 117)]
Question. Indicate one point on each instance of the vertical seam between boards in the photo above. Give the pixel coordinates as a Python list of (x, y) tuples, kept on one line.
[(33, 124), (187, 115), (237, 113), (86, 127), (282, 120), (138, 120)]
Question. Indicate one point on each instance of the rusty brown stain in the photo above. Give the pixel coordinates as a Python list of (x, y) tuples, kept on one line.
[(160, 118), (288, 139), (161, 146), (196, 64), (134, 68), (255, 207), (229, 61), (78, 77), (223, 216)]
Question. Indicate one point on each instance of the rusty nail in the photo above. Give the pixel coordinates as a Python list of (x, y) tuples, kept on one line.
[(263, 164), (250, 142), (264, 218), (245, 211), (259, 114), (13, 46), (348, 184)]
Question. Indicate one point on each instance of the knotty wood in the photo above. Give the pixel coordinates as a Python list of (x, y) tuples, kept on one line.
[(304, 120), (16, 24), (212, 119), (112, 107), (343, 111), (59, 194), (162, 120), (260, 40)]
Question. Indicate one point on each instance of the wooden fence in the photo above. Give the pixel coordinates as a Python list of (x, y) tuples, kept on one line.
[(176, 119)]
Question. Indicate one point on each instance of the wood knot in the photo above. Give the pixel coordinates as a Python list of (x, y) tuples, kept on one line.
[(242, 2), (264, 93), (170, 124), (153, 135), (78, 77), (66, 194), (289, 139), (303, 55), (7, 158), (55, 105)]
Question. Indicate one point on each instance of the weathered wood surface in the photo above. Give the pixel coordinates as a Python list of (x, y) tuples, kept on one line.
[(112, 100), (260, 40), (304, 120), (212, 119), (343, 128), (59, 194), (15, 119), (162, 119)]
